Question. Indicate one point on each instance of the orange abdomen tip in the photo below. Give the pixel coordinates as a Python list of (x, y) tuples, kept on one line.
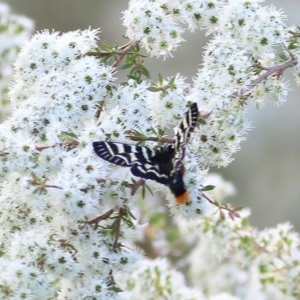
[(183, 198)]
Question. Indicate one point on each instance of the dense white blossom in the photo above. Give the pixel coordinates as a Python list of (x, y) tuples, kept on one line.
[(255, 27), (157, 280), (64, 97), (15, 31), (158, 32), (57, 87), (249, 264), (166, 107)]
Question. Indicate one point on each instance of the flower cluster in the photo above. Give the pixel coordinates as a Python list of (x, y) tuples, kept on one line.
[(67, 224), (251, 264), (226, 259), (157, 280), (15, 31), (158, 24), (50, 177)]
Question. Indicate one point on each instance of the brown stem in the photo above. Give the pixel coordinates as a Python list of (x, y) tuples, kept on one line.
[(100, 218), (70, 145), (53, 186), (125, 49), (117, 50), (263, 249), (294, 34), (232, 213), (118, 228), (278, 69), (166, 140), (135, 186)]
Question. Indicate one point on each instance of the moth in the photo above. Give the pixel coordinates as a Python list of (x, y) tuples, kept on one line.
[(163, 165)]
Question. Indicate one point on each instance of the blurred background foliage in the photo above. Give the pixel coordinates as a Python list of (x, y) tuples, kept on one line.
[(266, 171)]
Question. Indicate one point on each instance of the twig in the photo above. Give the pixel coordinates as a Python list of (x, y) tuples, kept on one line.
[(125, 49), (100, 218), (232, 213), (263, 249), (278, 69), (164, 139), (135, 186), (117, 228), (53, 186), (69, 145), (120, 51), (294, 34)]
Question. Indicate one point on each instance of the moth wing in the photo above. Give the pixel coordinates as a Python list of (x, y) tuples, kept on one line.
[(122, 154), (149, 171), (186, 126)]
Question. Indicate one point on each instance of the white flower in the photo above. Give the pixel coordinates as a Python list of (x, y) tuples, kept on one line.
[(168, 106), (126, 109), (61, 92), (256, 28), (52, 182), (15, 31), (148, 22), (156, 279)]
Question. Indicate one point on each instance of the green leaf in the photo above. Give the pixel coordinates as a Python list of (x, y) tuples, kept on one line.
[(145, 72), (68, 136), (160, 79), (156, 219), (143, 192), (222, 215), (154, 89), (148, 188), (208, 188), (126, 66)]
